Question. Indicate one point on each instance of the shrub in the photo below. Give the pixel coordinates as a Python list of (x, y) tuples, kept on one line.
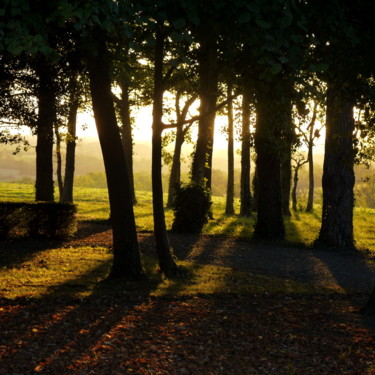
[(191, 208), (40, 219)]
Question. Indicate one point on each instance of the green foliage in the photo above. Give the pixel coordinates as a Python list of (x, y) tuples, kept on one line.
[(40, 219), (191, 208)]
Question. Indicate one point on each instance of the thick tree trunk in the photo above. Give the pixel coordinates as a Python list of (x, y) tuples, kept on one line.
[(288, 136), (46, 118), (246, 201), (67, 195), (338, 175), (58, 160), (269, 222), (208, 81), (126, 257), (126, 134), (166, 262), (229, 206)]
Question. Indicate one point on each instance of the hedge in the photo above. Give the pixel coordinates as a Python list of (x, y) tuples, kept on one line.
[(39, 219)]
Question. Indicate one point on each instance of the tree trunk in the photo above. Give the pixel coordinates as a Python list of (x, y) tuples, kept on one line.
[(229, 206), (166, 262), (208, 81), (286, 179), (288, 136), (44, 130), (175, 176), (269, 222), (126, 257), (294, 189), (126, 134), (310, 159), (245, 208), (338, 175), (58, 160), (67, 195), (310, 196)]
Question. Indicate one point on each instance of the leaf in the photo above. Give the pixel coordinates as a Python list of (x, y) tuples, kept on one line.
[(263, 24), (244, 17), (179, 23), (276, 68)]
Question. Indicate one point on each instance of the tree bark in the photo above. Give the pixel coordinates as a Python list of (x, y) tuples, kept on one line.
[(126, 257), (246, 201), (229, 206), (58, 160), (175, 176), (288, 136), (310, 159), (208, 81), (67, 195), (166, 261), (44, 190), (269, 222), (126, 134), (338, 175)]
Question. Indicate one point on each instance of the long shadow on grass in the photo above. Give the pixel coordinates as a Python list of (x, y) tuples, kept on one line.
[(17, 251), (52, 333), (113, 332)]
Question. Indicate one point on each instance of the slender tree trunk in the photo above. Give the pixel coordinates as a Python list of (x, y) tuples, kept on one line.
[(166, 262), (126, 134), (175, 177), (286, 179), (294, 189), (58, 160), (67, 195), (229, 207), (126, 257), (245, 208), (338, 175), (208, 81), (46, 118), (310, 159), (269, 222)]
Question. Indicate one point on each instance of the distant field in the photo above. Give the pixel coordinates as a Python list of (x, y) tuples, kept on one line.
[(301, 228)]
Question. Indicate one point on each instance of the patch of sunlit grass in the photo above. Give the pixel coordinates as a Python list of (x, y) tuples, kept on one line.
[(54, 271), (79, 272), (209, 279)]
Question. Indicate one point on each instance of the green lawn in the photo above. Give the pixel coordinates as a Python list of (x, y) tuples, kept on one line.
[(301, 228)]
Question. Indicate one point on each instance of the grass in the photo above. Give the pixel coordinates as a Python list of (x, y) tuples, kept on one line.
[(302, 228), (77, 271)]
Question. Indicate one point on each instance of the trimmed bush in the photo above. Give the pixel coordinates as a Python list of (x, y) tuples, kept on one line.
[(39, 219), (191, 208)]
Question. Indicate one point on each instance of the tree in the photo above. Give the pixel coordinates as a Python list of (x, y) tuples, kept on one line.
[(206, 35), (246, 200), (299, 160), (126, 257), (47, 116), (166, 262), (229, 205), (181, 131)]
